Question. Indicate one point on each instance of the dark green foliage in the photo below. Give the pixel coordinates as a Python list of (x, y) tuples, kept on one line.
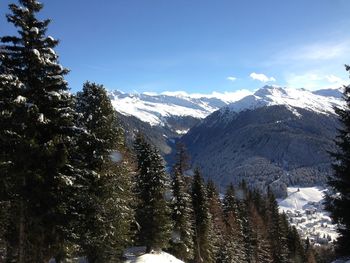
[(295, 247), (235, 251), (325, 254), (153, 215), (202, 242), (309, 252), (36, 138), (262, 251), (65, 185), (182, 213), (217, 223), (105, 189), (276, 230), (338, 203), (247, 227)]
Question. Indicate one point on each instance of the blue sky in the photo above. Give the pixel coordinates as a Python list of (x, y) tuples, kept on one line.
[(199, 46)]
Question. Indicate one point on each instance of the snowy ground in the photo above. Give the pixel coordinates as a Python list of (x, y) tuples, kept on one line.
[(305, 210), (138, 255)]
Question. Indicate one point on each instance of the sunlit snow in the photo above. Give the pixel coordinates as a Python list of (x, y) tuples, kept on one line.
[(305, 210), (137, 255), (293, 98), (155, 108)]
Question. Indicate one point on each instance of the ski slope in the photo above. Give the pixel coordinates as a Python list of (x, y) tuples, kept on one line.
[(305, 210), (298, 198)]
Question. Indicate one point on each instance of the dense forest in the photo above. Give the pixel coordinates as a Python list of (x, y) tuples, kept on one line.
[(70, 187)]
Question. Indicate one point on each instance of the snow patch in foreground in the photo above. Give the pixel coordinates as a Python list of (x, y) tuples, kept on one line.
[(137, 255)]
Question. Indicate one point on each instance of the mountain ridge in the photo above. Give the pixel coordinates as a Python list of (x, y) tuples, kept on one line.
[(155, 108)]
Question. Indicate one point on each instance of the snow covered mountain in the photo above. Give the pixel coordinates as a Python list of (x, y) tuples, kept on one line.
[(167, 116), (156, 109), (321, 101)]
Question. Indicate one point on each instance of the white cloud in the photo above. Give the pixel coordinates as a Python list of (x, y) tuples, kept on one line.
[(179, 93), (261, 77), (334, 79), (231, 78), (322, 51), (314, 81)]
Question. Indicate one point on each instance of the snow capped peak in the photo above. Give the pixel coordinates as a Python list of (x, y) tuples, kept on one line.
[(322, 101), (336, 93), (271, 91), (154, 108)]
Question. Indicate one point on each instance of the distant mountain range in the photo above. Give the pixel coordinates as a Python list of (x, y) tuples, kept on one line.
[(155, 109), (273, 137)]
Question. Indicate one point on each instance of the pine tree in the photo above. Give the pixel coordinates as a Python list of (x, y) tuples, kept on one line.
[(218, 227), (202, 244), (309, 251), (338, 203), (247, 227), (39, 173), (275, 230), (182, 212), (233, 251), (295, 247), (262, 249), (11, 111), (153, 214), (105, 190)]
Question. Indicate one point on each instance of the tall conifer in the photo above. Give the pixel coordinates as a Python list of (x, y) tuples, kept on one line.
[(338, 203), (182, 212), (234, 249), (152, 189), (202, 242), (105, 192), (39, 170)]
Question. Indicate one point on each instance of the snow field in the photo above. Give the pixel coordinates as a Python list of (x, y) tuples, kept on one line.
[(138, 255), (305, 210)]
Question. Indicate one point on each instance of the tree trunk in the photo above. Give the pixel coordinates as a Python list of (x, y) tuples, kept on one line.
[(21, 239)]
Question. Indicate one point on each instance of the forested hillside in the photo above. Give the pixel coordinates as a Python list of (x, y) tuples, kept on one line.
[(81, 183)]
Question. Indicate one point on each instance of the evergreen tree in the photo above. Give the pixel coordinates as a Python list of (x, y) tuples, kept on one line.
[(182, 212), (11, 111), (309, 251), (233, 251), (277, 233), (338, 203), (295, 247), (105, 190), (247, 227), (37, 156), (261, 247), (202, 244), (152, 184), (218, 227)]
